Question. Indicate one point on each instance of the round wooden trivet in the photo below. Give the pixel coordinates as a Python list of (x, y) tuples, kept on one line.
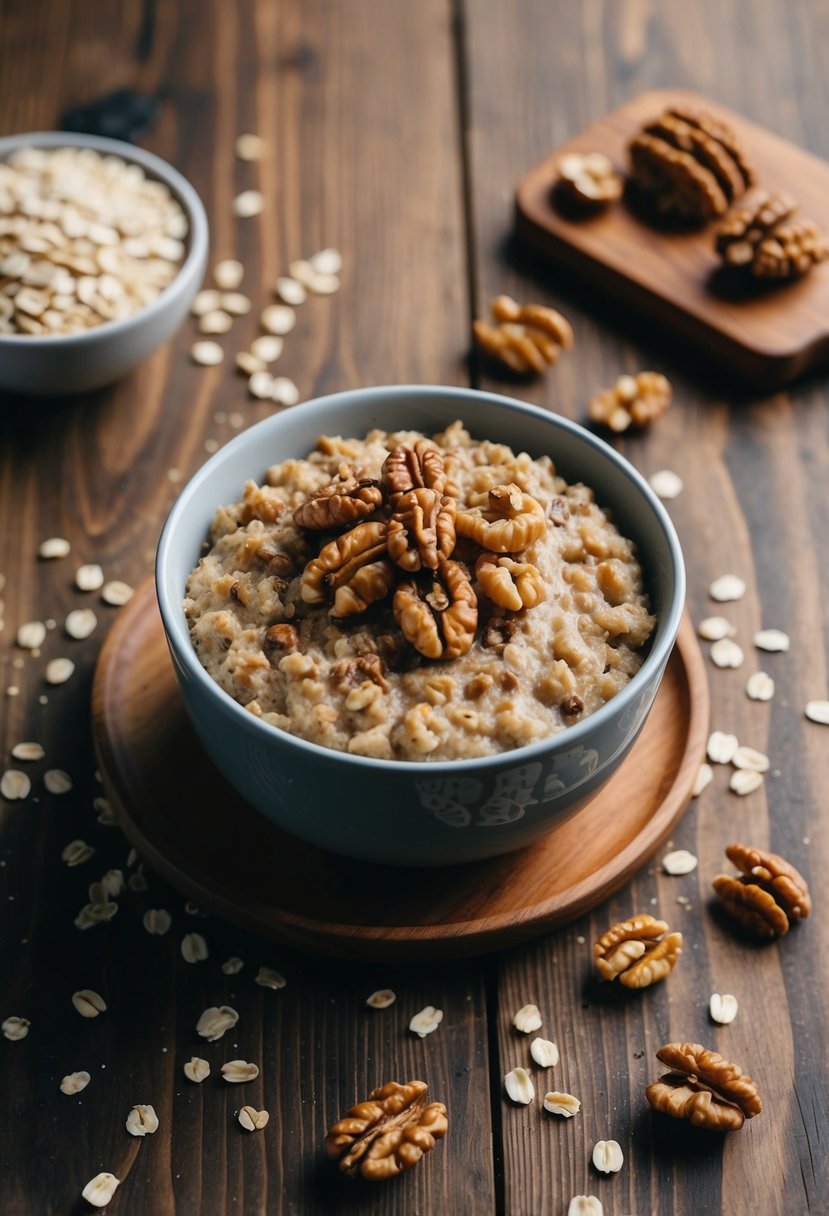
[(190, 826)]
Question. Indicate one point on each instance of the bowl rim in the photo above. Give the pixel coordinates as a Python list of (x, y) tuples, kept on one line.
[(178, 637), (157, 168)]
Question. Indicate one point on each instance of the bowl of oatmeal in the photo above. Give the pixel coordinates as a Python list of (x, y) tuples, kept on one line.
[(418, 625), (102, 250)]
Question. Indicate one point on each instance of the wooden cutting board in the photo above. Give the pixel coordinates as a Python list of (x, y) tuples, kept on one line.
[(191, 827), (765, 333)]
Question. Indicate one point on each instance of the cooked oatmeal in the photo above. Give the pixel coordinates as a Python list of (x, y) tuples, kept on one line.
[(406, 599)]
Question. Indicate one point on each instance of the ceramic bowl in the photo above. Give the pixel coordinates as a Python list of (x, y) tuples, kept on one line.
[(406, 812), (74, 363)]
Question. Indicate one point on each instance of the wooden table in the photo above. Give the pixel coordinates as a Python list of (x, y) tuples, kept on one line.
[(396, 132)]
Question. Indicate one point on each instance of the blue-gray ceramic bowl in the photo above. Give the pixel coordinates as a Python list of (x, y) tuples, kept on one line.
[(406, 812), (60, 364)]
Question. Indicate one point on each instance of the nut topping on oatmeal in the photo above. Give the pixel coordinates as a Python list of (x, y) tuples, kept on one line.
[(440, 622), (510, 584), (354, 567), (279, 639), (349, 673), (340, 504), (422, 529), (408, 468), (509, 522)]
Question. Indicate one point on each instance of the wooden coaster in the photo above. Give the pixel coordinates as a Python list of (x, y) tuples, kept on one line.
[(191, 827), (765, 332)]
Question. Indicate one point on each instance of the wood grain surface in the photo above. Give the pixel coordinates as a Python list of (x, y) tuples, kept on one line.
[(397, 132)]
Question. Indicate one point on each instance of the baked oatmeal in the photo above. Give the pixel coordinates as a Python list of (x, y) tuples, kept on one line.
[(407, 598)]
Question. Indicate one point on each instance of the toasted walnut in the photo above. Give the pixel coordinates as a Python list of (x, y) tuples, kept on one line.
[(527, 337), (498, 632), (768, 897), (389, 1133), (260, 502), (767, 242), (509, 522), (279, 639), (589, 179), (349, 673), (704, 1088), (440, 620), (510, 584), (636, 951), (406, 469), (341, 503), (422, 529), (633, 401), (354, 567)]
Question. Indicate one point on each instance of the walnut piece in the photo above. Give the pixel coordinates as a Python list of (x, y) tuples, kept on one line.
[(768, 897), (527, 337), (354, 567), (439, 620), (389, 1133), (510, 521), (406, 469), (279, 639), (341, 503), (633, 401), (704, 1088), (510, 584), (350, 673), (636, 952), (589, 179), (422, 529), (764, 239)]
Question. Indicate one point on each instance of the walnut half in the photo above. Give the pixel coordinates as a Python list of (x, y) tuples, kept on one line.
[(354, 568), (703, 1088), (389, 1133), (636, 952), (768, 897), (510, 521), (439, 617)]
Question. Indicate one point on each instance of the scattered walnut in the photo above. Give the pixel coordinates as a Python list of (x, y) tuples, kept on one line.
[(509, 522), (636, 951), (589, 179), (633, 401), (704, 1088), (340, 504), (526, 337), (510, 584), (769, 896), (763, 239), (354, 567), (389, 1133), (422, 529), (439, 622)]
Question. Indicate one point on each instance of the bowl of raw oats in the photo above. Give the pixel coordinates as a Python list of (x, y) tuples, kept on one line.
[(102, 249), (418, 625)]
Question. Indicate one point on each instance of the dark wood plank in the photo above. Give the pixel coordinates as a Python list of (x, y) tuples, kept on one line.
[(352, 163), (755, 474)]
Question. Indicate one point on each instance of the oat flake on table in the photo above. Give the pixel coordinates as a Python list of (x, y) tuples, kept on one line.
[(232, 966), (519, 1086), (562, 1104), (237, 1072), (713, 628), (15, 785), (268, 977), (527, 1019), (544, 1052), (80, 623), (704, 777), (760, 686), (750, 758), (722, 1007), (745, 781), (818, 711), (100, 1189), (196, 1070), (74, 1082), (53, 547), (194, 948), (15, 1028), (666, 484), (608, 1157), (381, 999), (89, 577), (680, 861), (58, 671), (772, 640), (57, 781), (31, 635), (116, 593), (426, 1021), (727, 588), (228, 274), (28, 751), (207, 354), (252, 1119), (726, 653), (721, 747)]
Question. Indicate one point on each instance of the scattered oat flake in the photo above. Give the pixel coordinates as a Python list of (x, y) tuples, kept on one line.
[(15, 785), (77, 852), (237, 1072), (89, 577), (721, 747), (215, 1021), (15, 1028), (773, 640), (426, 1021), (116, 593), (284, 392), (247, 204), (88, 1003), (818, 711), (80, 623), (585, 1205), (55, 546), (381, 999), (679, 862), (544, 1052), (106, 814), (249, 363), (157, 921), (267, 977), (28, 751), (713, 628), (58, 671), (31, 635), (250, 147), (527, 1019), (327, 261), (745, 781), (726, 653), (57, 781), (236, 304), (750, 758), (137, 881), (562, 1104), (267, 347), (727, 588), (205, 301), (74, 1082), (323, 284), (252, 1119), (704, 777), (197, 1070), (608, 1157), (206, 354), (260, 385), (722, 1007), (290, 291), (142, 1121), (519, 1086), (232, 966), (277, 319), (215, 322), (302, 271), (228, 274), (760, 686), (12, 691), (211, 446), (100, 1189), (193, 948), (666, 484)]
